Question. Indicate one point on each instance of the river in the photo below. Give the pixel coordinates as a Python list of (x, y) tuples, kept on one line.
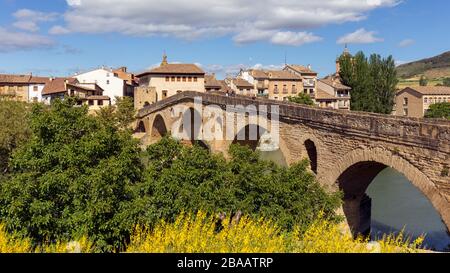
[(397, 205)]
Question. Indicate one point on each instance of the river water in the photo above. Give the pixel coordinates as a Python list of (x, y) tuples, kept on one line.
[(397, 205)]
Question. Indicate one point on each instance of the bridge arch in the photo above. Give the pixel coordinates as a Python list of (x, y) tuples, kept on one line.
[(159, 128), (354, 173), (248, 141)]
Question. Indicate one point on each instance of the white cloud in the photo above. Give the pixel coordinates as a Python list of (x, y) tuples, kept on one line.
[(35, 16), (27, 26), (360, 36), (28, 19), (12, 41), (285, 22), (58, 30), (406, 43)]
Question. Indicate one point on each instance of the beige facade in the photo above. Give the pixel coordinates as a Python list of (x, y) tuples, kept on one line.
[(241, 87), (309, 77), (170, 79), (21, 87), (415, 101), (331, 93), (144, 96)]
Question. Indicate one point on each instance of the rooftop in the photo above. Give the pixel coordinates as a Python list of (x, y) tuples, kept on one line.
[(301, 69), (283, 75), (430, 90), (335, 82)]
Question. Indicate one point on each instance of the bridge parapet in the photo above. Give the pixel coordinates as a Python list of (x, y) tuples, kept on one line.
[(428, 133)]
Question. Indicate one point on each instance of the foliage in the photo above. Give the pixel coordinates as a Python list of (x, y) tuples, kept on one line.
[(14, 129), (302, 98), (71, 178), (446, 82), (12, 244), (439, 110), (373, 82), (198, 234), (423, 81), (122, 114), (193, 234), (180, 178)]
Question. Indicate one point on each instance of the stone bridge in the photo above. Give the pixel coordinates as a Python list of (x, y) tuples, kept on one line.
[(346, 150)]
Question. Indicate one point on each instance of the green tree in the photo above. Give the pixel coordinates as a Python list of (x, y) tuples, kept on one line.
[(122, 114), (180, 178), (373, 81), (14, 129), (423, 81), (439, 110), (446, 82), (71, 179), (302, 98)]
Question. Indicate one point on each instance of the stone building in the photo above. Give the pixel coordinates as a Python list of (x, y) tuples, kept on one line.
[(308, 76), (26, 88), (86, 93), (212, 84), (241, 87), (331, 93), (170, 79), (415, 101)]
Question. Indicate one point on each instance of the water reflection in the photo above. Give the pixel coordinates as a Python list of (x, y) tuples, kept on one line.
[(398, 204)]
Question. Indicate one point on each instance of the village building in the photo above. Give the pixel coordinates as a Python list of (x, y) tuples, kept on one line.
[(212, 84), (259, 79), (331, 93), (167, 80), (309, 77), (26, 88), (110, 81), (89, 94), (415, 101), (241, 87)]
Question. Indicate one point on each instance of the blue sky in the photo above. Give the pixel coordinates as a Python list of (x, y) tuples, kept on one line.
[(59, 37)]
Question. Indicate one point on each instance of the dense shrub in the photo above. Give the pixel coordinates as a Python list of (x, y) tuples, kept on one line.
[(180, 178), (71, 178)]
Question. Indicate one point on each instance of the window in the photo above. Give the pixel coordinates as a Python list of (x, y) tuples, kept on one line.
[(405, 112), (275, 89), (100, 102), (305, 91), (189, 79), (167, 79), (164, 94), (405, 101), (294, 89), (35, 88), (107, 82), (184, 79), (178, 79), (91, 102), (173, 79), (195, 79)]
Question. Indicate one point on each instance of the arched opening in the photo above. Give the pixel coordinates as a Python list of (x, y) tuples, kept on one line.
[(146, 104), (140, 128), (159, 128), (312, 154), (193, 128), (249, 136), (371, 186)]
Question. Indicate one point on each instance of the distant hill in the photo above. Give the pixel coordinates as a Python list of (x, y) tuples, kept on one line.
[(433, 68)]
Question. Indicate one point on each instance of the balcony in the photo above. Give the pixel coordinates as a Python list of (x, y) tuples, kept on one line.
[(262, 95)]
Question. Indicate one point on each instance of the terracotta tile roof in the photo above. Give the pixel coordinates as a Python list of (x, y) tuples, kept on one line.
[(430, 90), (335, 82), (238, 82), (212, 82), (301, 69), (22, 79), (175, 69), (57, 85), (258, 74), (225, 87), (283, 75), (322, 95)]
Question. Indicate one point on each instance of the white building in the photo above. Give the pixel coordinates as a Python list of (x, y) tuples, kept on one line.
[(108, 80)]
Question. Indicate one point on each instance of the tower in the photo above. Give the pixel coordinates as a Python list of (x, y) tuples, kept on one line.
[(164, 60)]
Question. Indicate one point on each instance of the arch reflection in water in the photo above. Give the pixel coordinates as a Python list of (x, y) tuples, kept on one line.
[(397, 204)]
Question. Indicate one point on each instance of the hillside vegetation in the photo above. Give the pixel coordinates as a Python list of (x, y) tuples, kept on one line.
[(434, 68)]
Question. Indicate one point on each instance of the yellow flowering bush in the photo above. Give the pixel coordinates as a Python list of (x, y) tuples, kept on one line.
[(10, 244), (198, 234)]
